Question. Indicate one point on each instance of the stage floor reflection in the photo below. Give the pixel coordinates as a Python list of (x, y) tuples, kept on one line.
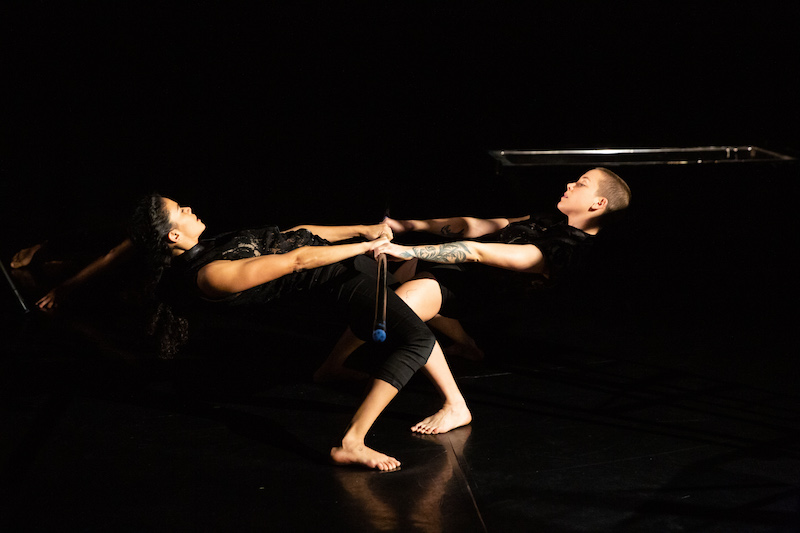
[(563, 439)]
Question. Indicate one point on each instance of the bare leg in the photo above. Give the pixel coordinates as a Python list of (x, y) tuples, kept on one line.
[(424, 297), (454, 412), (464, 345), (333, 368), (353, 450)]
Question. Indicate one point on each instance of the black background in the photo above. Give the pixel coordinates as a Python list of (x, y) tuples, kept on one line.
[(341, 110), (330, 113)]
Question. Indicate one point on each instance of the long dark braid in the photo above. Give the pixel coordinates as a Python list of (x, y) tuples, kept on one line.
[(149, 227)]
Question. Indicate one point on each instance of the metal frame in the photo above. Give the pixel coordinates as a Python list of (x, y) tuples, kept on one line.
[(638, 156)]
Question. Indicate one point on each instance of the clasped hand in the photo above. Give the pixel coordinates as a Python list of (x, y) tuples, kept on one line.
[(377, 231), (393, 251)]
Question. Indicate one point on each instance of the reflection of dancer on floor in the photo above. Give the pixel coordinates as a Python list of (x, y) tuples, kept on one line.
[(420, 510), (261, 267)]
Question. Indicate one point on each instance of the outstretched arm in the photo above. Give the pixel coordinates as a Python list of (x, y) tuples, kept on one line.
[(455, 227), (340, 233), (517, 257), (221, 278), (119, 254)]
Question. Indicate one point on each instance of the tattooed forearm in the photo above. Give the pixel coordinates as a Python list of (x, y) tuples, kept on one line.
[(455, 252), (448, 232)]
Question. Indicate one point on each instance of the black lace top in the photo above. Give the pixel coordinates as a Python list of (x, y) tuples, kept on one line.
[(245, 244)]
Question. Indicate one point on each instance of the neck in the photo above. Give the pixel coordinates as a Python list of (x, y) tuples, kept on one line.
[(183, 246), (588, 225)]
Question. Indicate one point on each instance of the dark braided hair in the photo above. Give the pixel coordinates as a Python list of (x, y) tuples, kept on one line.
[(149, 227)]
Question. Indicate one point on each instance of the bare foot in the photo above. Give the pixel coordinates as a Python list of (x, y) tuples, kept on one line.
[(23, 257), (468, 350), (449, 417), (360, 454)]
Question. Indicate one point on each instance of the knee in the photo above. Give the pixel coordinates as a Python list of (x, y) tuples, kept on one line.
[(423, 295), (420, 342)]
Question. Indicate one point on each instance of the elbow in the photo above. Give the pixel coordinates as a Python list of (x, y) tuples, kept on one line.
[(299, 265), (304, 259)]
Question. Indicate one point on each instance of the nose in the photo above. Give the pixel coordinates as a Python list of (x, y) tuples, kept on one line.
[(570, 186)]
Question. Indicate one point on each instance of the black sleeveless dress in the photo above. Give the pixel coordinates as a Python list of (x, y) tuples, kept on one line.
[(344, 286)]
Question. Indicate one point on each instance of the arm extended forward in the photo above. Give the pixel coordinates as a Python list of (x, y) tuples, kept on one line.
[(516, 257), (221, 278)]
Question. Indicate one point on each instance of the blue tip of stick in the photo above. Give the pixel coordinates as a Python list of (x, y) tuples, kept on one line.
[(379, 335)]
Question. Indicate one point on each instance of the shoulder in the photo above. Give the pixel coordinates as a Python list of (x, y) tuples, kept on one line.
[(565, 231)]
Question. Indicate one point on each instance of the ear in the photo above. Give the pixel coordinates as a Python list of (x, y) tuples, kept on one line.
[(599, 204), (174, 236)]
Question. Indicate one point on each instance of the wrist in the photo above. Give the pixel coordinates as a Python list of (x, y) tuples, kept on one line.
[(409, 252)]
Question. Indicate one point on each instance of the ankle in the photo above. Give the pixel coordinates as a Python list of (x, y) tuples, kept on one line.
[(351, 441), (455, 403)]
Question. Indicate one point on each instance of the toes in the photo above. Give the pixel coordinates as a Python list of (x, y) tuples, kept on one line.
[(424, 429), (388, 465)]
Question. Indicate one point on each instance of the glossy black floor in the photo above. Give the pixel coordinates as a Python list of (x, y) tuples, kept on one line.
[(657, 431)]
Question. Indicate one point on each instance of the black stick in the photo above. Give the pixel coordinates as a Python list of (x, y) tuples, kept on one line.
[(379, 325)]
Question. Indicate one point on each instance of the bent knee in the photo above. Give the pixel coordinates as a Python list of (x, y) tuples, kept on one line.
[(423, 296)]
